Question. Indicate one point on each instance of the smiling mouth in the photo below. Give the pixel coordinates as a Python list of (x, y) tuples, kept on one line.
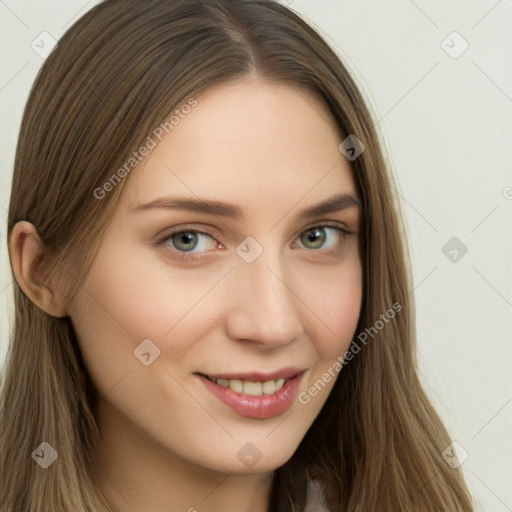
[(248, 387), (256, 395)]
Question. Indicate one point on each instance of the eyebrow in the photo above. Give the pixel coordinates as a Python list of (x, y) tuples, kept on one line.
[(332, 204)]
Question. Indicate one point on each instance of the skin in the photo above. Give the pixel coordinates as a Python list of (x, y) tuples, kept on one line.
[(166, 442)]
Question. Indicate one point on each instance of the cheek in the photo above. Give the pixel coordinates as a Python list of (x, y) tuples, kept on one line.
[(331, 330), (334, 300), (142, 295)]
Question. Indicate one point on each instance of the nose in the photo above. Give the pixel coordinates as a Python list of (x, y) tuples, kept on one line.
[(263, 306)]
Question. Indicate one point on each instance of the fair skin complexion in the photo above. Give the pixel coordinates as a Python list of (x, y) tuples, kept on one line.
[(167, 443)]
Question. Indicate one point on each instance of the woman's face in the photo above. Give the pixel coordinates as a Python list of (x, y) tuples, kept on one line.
[(255, 290)]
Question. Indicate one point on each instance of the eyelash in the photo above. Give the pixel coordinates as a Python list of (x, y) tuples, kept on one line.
[(184, 256)]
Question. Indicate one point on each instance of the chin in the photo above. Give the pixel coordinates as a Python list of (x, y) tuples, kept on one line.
[(250, 460)]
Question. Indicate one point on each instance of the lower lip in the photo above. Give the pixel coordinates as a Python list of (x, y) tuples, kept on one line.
[(259, 407)]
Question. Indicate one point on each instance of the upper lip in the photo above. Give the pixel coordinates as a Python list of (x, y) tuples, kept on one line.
[(283, 373)]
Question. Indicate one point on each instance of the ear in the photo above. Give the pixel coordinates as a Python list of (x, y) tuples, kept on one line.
[(29, 260)]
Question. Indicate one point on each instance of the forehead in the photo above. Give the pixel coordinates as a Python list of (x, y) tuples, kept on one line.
[(251, 142)]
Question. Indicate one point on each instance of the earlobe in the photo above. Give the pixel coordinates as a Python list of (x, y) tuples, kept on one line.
[(29, 259)]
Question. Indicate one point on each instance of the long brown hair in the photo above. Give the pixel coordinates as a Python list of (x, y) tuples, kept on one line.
[(115, 75)]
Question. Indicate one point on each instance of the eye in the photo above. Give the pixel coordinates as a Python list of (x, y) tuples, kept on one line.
[(190, 241), (322, 237)]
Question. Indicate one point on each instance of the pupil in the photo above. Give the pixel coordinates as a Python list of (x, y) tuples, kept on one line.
[(186, 238), (316, 237)]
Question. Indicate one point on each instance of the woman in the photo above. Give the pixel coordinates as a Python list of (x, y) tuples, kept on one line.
[(212, 306)]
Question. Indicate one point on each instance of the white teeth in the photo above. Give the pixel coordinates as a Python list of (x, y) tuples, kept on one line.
[(269, 387), (248, 387), (236, 385), (252, 388)]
